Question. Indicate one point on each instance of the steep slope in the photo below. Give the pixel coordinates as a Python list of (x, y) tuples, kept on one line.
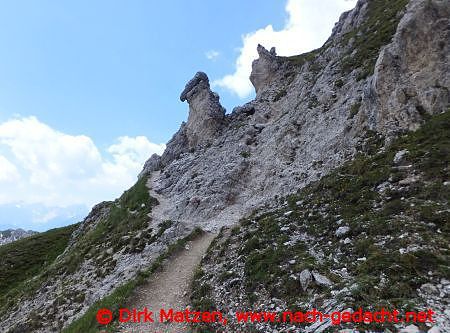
[(377, 230), (111, 246), (381, 73), (312, 112), (129, 292), (26, 258)]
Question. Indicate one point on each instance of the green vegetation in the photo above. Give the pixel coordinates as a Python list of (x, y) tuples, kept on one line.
[(301, 59), (245, 154), (350, 193), (27, 257), (127, 217), (122, 224), (120, 296), (280, 95), (339, 83), (398, 239), (354, 109), (376, 31), (200, 299), (313, 102)]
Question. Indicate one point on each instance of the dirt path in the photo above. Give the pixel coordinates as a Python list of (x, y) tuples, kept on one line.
[(169, 288)]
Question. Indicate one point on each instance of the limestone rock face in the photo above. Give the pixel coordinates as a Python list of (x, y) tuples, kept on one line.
[(152, 164), (264, 68), (205, 121), (206, 115), (311, 113), (176, 146), (412, 73)]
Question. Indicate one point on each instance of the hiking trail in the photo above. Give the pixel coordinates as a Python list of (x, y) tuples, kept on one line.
[(168, 287)]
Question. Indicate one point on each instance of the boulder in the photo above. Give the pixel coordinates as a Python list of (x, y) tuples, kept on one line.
[(322, 280), (305, 279), (341, 231)]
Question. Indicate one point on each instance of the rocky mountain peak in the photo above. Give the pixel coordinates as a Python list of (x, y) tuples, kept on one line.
[(205, 121), (311, 112)]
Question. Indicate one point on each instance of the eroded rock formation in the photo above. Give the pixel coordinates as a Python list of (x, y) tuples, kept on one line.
[(206, 115), (264, 68), (312, 112)]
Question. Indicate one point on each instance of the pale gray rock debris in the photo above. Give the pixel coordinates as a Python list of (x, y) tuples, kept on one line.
[(410, 329), (399, 156), (341, 231), (305, 279), (321, 280)]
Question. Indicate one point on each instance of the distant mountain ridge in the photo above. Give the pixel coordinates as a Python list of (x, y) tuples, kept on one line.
[(12, 235)]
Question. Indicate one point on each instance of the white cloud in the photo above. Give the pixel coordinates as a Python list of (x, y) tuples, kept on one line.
[(55, 169), (308, 26), (43, 218), (8, 172), (129, 151), (212, 54)]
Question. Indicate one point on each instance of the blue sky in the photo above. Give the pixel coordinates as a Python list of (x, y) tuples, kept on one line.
[(88, 89), (111, 68)]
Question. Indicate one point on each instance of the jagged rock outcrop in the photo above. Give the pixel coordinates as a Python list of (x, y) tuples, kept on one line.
[(205, 121), (412, 73), (311, 112), (264, 68), (152, 164), (206, 115)]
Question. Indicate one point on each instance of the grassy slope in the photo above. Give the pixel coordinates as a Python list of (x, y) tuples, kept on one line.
[(127, 216), (383, 224), (119, 297), (27, 257), (24, 258), (376, 31), (121, 227)]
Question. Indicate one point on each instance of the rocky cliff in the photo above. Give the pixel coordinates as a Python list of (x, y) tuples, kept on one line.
[(383, 71)]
